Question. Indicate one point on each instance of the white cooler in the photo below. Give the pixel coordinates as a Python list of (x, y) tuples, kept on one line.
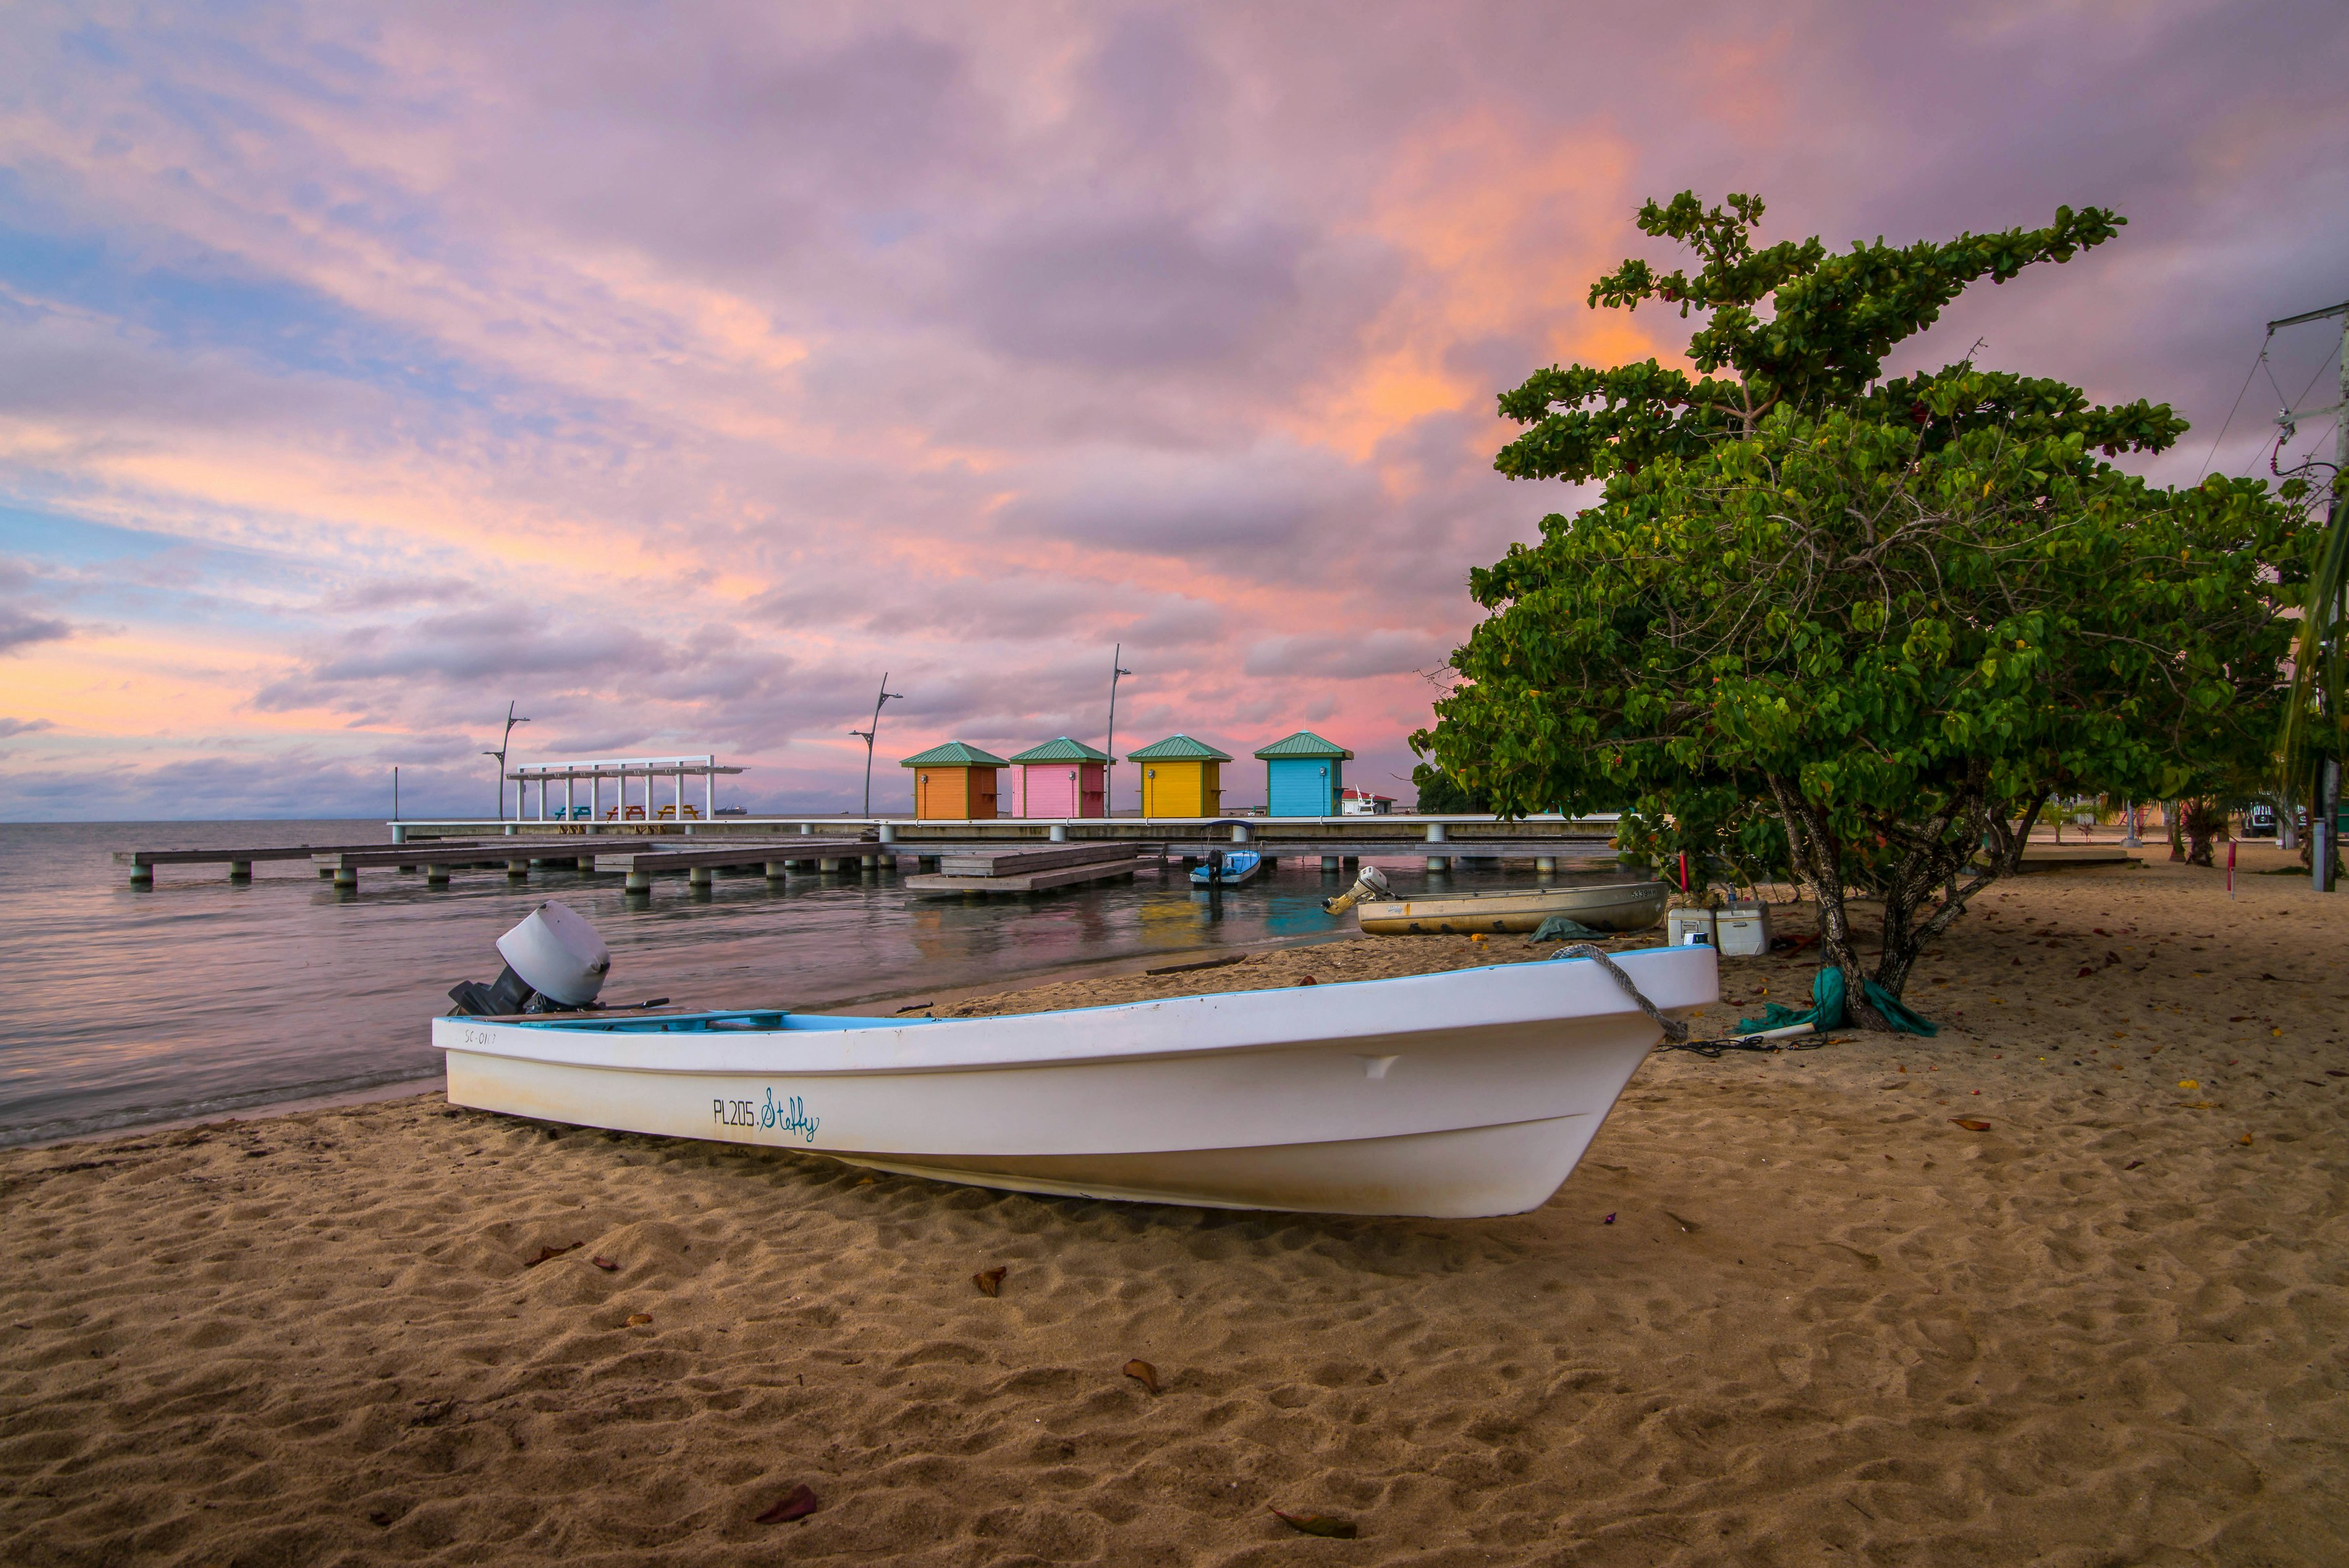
[(1740, 930)]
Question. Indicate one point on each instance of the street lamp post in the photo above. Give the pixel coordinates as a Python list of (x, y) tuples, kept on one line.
[(1109, 768), (504, 742), (868, 736)]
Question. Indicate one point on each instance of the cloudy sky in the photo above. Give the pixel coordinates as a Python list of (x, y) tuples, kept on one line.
[(675, 369)]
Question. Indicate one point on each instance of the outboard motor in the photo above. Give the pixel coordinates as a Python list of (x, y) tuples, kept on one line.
[(1371, 884), (554, 962)]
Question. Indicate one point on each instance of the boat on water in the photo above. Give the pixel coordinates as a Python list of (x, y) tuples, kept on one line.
[(1601, 907), (1464, 1094), (1228, 868)]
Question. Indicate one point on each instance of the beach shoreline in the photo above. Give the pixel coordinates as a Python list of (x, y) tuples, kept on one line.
[(1790, 1308)]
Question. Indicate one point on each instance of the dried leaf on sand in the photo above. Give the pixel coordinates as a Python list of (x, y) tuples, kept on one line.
[(989, 1281), (1142, 1372), (547, 1252), (1971, 1124), (1318, 1524), (797, 1503)]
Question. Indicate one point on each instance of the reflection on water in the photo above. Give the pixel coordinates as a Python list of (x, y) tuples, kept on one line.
[(200, 995)]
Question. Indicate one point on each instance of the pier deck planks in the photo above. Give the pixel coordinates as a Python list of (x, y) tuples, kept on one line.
[(1014, 861), (1031, 881), (647, 862)]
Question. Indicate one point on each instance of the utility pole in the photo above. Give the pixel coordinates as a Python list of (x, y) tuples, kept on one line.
[(2324, 810), (1109, 769), (504, 742), (867, 736)]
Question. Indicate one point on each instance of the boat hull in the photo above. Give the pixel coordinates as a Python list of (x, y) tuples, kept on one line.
[(1240, 865), (1468, 1094), (1607, 907)]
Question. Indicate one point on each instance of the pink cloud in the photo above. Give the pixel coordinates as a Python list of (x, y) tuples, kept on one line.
[(676, 373)]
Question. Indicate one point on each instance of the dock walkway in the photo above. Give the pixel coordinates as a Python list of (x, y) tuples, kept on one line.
[(1011, 869), (142, 862)]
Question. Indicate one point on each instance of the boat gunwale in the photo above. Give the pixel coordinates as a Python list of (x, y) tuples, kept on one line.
[(551, 1035), (1578, 890)]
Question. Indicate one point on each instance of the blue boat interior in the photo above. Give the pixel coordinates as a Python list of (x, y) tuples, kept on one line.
[(772, 1020), (1239, 865), (769, 1021)]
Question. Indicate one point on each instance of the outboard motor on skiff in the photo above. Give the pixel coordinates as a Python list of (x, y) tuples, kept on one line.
[(554, 962), (1371, 884)]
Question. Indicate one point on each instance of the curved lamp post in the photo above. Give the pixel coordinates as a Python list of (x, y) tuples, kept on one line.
[(1109, 768), (867, 736), (504, 742)]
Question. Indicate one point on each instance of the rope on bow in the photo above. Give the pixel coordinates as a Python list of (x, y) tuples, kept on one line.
[(1674, 1030)]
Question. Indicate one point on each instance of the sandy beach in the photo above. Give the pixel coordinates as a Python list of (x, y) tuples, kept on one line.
[(1788, 1311)]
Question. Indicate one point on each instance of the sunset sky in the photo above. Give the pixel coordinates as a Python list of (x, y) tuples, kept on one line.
[(675, 369)]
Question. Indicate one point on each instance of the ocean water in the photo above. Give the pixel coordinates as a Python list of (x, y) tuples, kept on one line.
[(199, 995)]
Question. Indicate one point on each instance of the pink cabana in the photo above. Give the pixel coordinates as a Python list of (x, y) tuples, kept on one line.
[(1063, 778)]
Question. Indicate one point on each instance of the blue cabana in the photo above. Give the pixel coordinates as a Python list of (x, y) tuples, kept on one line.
[(1303, 775)]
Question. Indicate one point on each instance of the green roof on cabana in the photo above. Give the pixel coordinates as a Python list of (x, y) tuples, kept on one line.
[(954, 754), (1063, 749), (1304, 744), (1177, 749)]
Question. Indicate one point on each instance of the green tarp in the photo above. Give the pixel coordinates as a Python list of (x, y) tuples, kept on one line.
[(1826, 1010), (1561, 928)]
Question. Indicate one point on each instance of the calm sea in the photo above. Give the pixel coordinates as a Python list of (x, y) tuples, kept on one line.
[(200, 996)]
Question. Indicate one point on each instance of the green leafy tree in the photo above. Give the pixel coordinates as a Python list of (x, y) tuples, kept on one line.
[(1440, 794), (1862, 629)]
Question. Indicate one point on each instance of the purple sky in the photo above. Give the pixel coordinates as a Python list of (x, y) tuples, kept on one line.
[(675, 369)]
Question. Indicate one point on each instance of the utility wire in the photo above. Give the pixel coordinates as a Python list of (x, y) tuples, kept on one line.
[(2312, 384), (2256, 363)]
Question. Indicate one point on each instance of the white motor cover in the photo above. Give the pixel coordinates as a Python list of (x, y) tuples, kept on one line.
[(558, 954)]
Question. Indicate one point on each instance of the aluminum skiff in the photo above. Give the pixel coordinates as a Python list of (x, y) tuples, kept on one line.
[(1603, 907), (1470, 1093)]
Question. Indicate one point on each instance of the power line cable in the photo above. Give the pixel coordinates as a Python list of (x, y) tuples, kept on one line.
[(2312, 384), (2272, 381), (2254, 370)]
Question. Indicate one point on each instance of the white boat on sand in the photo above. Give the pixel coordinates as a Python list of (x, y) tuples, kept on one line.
[(1469, 1092)]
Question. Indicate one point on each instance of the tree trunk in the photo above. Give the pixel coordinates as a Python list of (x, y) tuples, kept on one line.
[(1965, 829), (2171, 810), (1818, 859), (1933, 863)]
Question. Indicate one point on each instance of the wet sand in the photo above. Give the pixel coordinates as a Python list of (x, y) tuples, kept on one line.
[(1787, 1310)]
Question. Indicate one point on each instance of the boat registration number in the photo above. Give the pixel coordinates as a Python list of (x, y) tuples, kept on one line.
[(789, 1115)]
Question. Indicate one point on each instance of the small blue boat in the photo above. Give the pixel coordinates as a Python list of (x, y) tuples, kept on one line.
[(1228, 868)]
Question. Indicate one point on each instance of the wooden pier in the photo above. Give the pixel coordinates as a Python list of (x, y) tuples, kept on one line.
[(143, 862), (923, 849), (518, 857), (778, 857), (1016, 870)]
